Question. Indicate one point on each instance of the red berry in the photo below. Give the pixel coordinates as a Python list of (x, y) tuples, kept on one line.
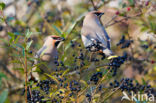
[(117, 13), (128, 9), (146, 3), (152, 61)]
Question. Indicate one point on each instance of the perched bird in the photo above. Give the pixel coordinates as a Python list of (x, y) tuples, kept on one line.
[(93, 32), (46, 57)]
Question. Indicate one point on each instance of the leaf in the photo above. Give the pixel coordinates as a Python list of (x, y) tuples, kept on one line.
[(84, 82), (1, 19), (29, 44), (3, 96), (28, 34), (154, 68), (16, 40), (144, 82), (11, 34), (2, 76), (131, 2), (52, 77), (57, 29), (65, 72), (70, 29), (2, 6), (21, 69), (124, 5), (68, 45), (15, 61), (23, 49)]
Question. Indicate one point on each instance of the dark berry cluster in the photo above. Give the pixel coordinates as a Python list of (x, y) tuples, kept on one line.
[(95, 77), (144, 46), (95, 46), (127, 84), (89, 97), (45, 85), (35, 97), (117, 62), (81, 56), (74, 86), (124, 43), (1, 27)]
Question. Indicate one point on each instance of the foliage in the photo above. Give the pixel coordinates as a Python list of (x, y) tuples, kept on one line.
[(81, 75)]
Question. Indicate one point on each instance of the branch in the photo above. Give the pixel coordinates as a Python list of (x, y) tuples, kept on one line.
[(126, 18), (26, 76), (95, 8)]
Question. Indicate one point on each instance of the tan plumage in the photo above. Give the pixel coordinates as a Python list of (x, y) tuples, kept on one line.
[(46, 55), (93, 30)]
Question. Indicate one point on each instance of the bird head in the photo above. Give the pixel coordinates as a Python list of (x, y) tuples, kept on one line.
[(96, 14), (56, 39)]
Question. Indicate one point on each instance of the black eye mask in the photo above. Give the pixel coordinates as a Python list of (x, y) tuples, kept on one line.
[(98, 14), (57, 43)]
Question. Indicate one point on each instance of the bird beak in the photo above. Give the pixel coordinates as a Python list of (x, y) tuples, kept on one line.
[(101, 14), (62, 39)]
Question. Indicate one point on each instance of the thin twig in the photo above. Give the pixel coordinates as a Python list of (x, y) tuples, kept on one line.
[(113, 18), (126, 18), (110, 94), (95, 8), (26, 76)]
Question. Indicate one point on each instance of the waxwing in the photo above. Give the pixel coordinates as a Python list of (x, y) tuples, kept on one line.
[(93, 31), (46, 57)]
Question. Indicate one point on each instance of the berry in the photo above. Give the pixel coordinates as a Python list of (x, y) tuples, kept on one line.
[(128, 9), (117, 13)]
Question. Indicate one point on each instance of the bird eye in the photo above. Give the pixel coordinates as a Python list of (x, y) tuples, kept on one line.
[(98, 14), (54, 37), (57, 43)]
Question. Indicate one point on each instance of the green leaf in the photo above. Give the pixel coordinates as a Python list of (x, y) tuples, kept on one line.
[(52, 77), (21, 69), (3, 76), (16, 40), (28, 34), (1, 19), (3, 96), (131, 2), (29, 44), (2, 6), (84, 82), (144, 82), (11, 34), (23, 49), (57, 29), (65, 72), (124, 5)]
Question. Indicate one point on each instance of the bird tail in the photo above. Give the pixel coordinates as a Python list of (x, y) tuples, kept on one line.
[(109, 54)]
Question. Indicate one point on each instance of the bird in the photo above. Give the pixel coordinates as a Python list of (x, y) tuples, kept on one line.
[(94, 32), (46, 57)]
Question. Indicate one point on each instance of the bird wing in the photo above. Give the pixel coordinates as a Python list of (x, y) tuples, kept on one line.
[(103, 35), (39, 53), (97, 33)]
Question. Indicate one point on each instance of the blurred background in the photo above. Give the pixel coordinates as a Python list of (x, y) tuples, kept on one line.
[(135, 20)]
